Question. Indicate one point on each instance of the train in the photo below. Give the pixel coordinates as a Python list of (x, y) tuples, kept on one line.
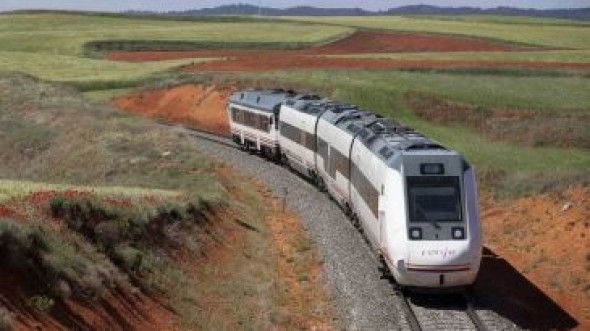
[(413, 199)]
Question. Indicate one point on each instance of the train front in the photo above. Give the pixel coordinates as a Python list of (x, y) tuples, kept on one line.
[(440, 244)]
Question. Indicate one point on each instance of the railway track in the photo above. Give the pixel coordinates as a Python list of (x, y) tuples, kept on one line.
[(422, 311), (441, 312), (202, 134)]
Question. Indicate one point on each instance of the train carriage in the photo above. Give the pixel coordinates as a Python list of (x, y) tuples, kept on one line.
[(299, 118), (253, 119)]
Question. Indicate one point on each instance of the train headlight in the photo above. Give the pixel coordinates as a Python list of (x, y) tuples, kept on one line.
[(458, 233), (415, 233)]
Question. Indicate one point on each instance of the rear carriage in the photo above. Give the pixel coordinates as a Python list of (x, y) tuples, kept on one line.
[(253, 120)]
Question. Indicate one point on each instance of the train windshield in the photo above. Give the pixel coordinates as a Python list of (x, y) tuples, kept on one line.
[(434, 199)]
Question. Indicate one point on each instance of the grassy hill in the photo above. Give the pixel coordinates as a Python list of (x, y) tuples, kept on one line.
[(110, 220), (517, 30), (53, 45)]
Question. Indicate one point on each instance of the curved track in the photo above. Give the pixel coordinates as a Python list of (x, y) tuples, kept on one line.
[(405, 310)]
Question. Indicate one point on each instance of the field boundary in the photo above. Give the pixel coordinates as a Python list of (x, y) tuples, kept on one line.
[(96, 47)]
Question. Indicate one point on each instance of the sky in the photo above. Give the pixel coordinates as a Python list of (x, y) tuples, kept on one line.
[(170, 5)]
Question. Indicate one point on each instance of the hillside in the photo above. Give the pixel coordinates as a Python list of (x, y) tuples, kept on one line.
[(111, 221), (582, 14)]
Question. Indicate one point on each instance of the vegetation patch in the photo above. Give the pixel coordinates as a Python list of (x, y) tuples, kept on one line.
[(100, 46), (61, 268), (135, 237), (519, 30), (528, 127)]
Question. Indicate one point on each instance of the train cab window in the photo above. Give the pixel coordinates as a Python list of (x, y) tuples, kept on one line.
[(434, 199)]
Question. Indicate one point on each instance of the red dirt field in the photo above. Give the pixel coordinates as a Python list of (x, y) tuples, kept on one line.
[(543, 240), (547, 238), (357, 43)]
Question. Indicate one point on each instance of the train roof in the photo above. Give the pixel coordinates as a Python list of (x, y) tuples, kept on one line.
[(383, 136), (265, 100)]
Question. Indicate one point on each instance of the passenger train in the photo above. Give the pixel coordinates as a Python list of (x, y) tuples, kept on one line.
[(415, 200)]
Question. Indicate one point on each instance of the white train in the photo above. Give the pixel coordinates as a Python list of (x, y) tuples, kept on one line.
[(415, 200)]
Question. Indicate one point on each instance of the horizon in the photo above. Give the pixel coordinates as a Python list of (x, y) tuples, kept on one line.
[(179, 5)]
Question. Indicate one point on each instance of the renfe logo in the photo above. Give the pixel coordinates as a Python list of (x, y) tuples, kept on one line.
[(439, 252)]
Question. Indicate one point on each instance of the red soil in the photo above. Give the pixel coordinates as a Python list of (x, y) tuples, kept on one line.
[(358, 43), (547, 238), (195, 105)]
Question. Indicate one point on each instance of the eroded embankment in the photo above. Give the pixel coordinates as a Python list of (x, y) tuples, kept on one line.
[(196, 105)]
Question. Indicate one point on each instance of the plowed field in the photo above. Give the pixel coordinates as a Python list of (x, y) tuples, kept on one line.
[(357, 43)]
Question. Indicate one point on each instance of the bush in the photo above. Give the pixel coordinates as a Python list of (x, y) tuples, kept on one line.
[(133, 236), (6, 320), (57, 262)]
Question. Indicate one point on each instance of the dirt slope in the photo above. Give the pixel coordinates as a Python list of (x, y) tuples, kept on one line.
[(194, 105), (547, 238)]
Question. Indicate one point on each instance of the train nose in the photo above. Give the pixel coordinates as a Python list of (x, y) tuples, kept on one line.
[(432, 264)]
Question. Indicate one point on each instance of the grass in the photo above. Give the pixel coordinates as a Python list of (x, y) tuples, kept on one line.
[(105, 95), (57, 46), (93, 145), (503, 19), (570, 36), (538, 56), (61, 34), (12, 189), (63, 68), (567, 93)]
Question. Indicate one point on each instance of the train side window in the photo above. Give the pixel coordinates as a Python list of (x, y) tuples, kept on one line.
[(382, 189)]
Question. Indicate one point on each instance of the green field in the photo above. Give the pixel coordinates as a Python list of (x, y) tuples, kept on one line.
[(496, 90), (51, 46), (503, 19), (60, 34), (570, 36), (62, 68)]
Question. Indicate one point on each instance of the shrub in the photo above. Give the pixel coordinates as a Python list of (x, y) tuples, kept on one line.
[(6, 320), (58, 262), (42, 302)]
